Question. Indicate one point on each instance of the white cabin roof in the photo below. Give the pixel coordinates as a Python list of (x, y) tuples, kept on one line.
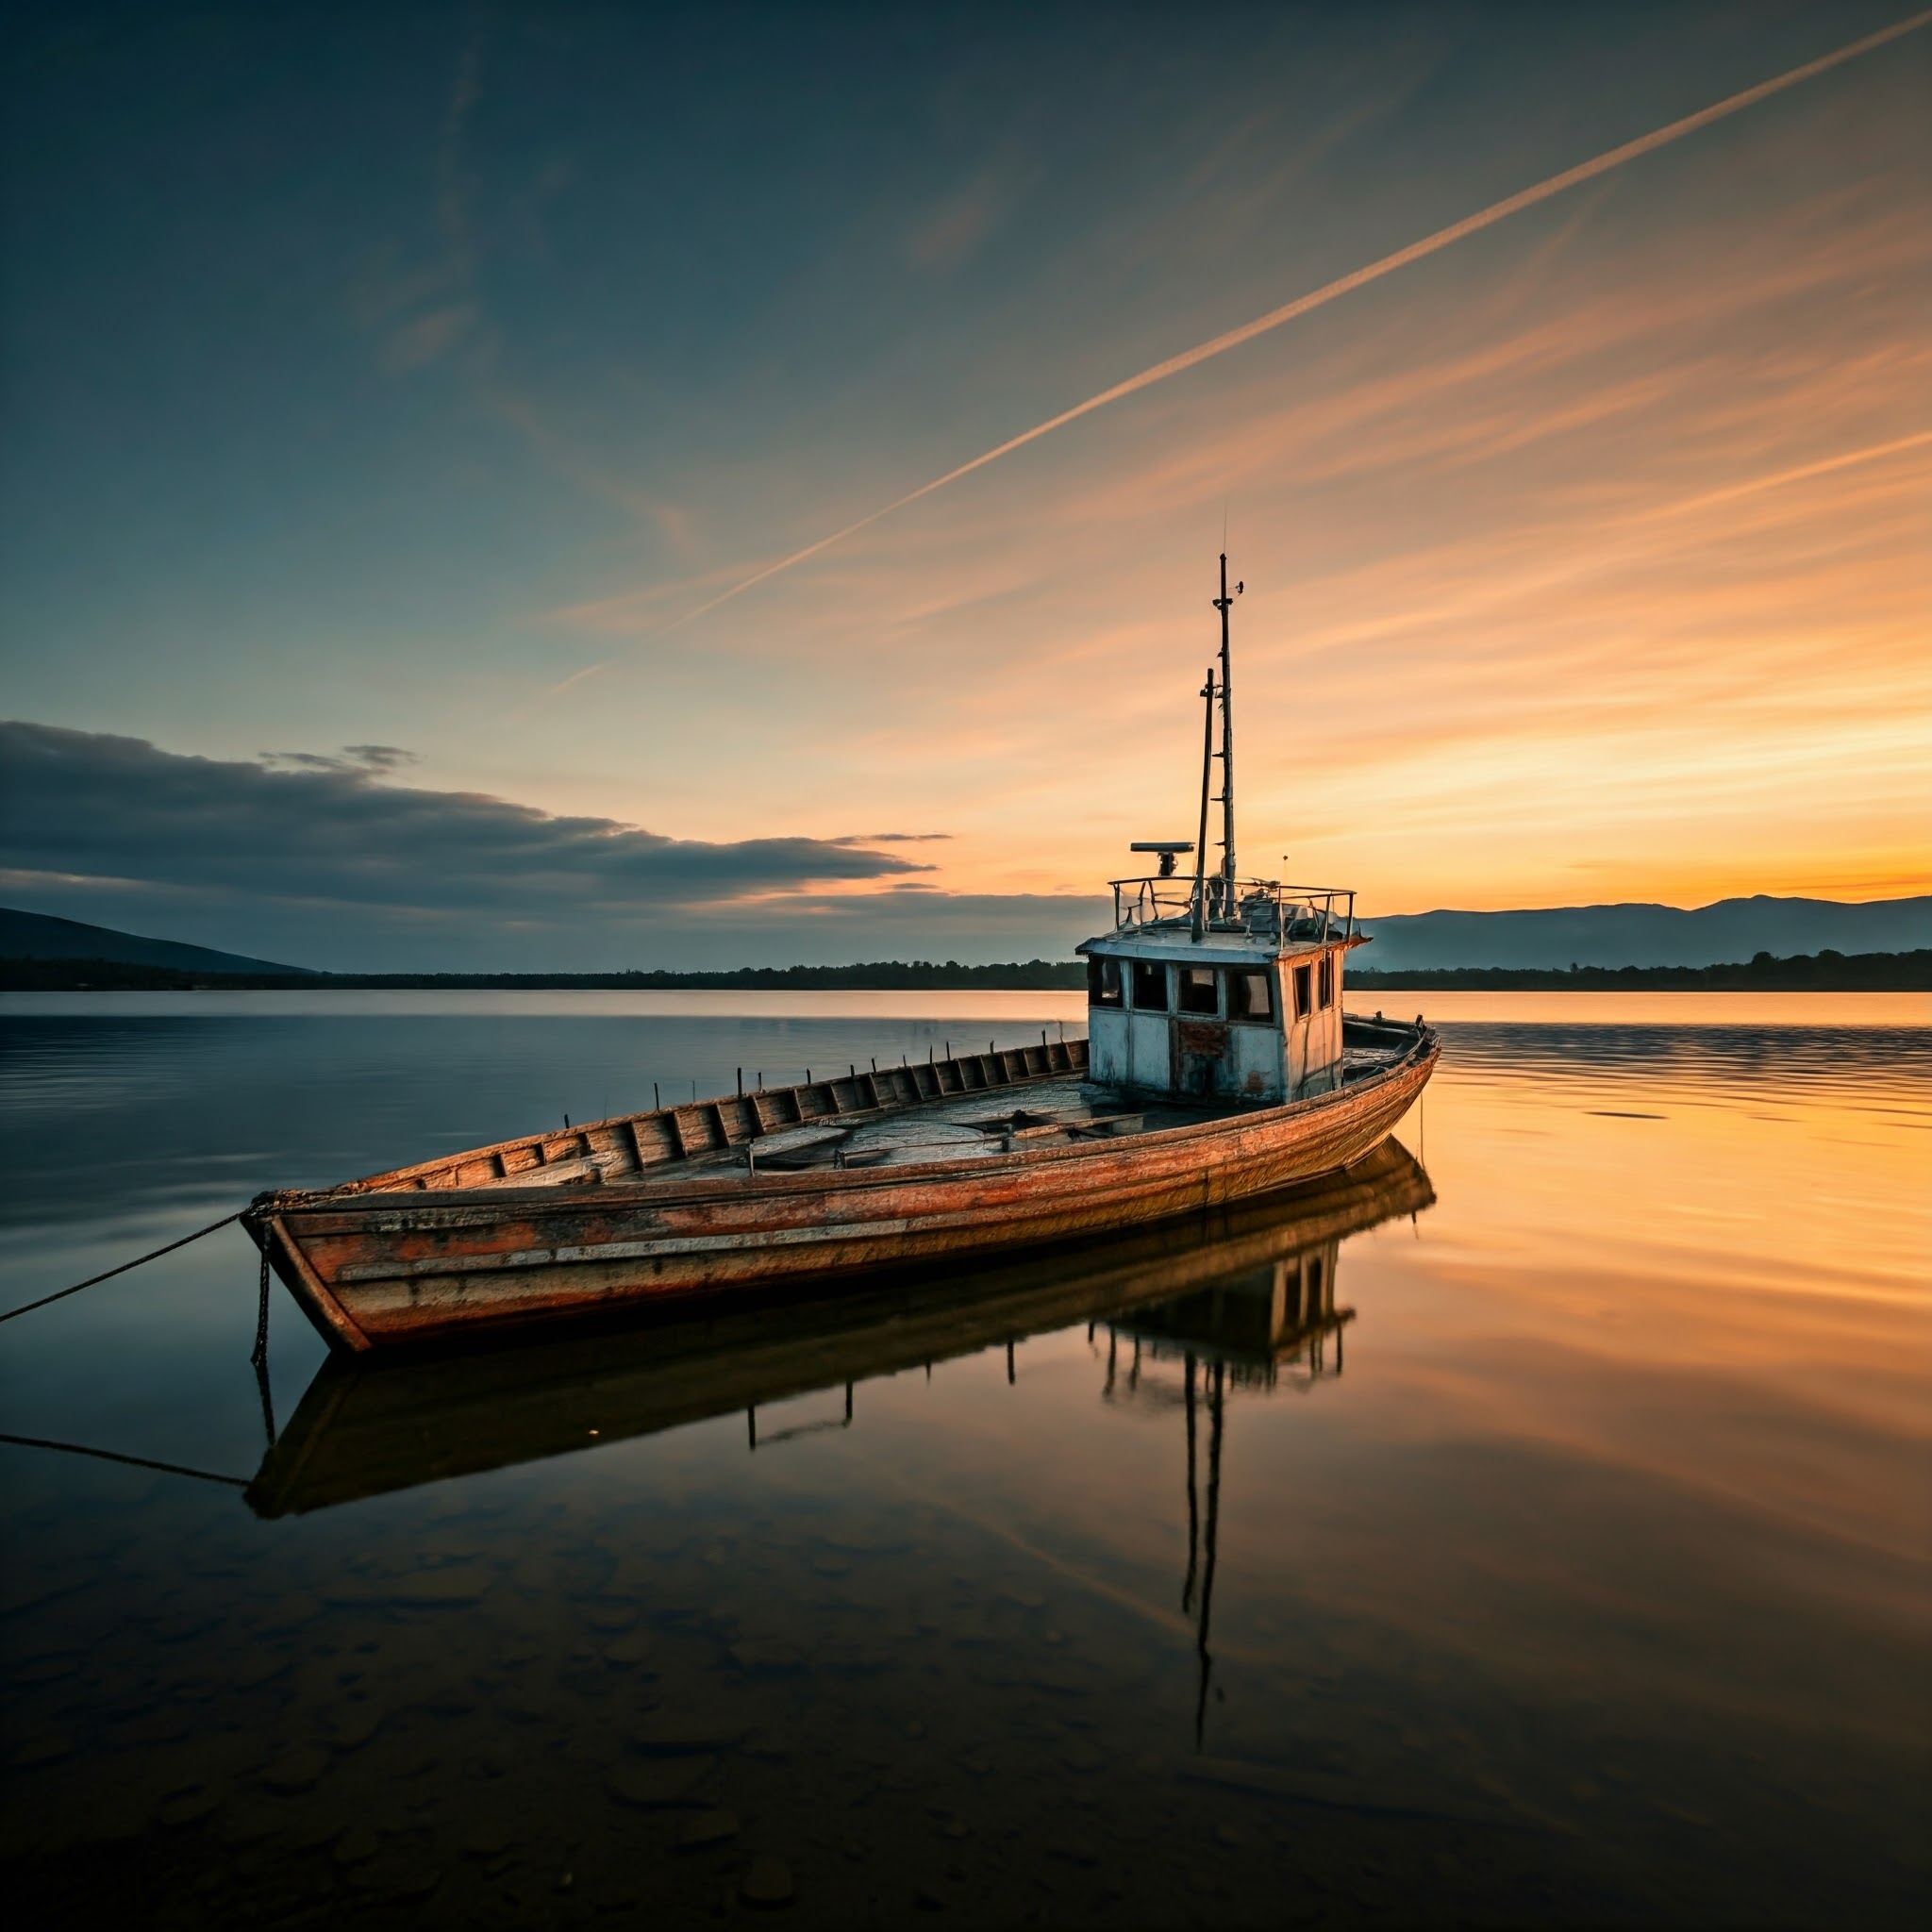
[(1177, 947)]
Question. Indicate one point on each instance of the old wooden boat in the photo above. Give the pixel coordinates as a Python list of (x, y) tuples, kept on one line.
[(1253, 1285), (1218, 1065)]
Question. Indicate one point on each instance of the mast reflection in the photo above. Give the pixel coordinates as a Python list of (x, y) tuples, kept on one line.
[(1257, 1331)]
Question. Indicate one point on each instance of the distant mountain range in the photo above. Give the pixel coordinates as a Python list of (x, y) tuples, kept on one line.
[(1731, 931), (1553, 939), (35, 936)]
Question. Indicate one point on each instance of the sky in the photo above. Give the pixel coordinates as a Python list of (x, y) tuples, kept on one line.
[(390, 397)]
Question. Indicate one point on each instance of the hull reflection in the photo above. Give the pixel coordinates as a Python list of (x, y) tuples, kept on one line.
[(367, 1428)]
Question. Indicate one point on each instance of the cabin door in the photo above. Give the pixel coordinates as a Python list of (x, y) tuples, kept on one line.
[(1200, 1058)]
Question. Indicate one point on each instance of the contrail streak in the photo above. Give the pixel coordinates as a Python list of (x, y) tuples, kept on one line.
[(1329, 291), (1825, 466)]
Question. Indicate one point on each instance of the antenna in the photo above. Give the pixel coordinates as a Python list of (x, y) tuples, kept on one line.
[(1223, 604)]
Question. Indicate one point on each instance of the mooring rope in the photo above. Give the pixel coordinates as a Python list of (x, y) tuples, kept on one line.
[(206, 1476), (259, 1358), (61, 1294), (259, 1352)]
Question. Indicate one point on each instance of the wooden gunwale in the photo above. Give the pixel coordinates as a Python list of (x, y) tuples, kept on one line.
[(416, 1263), (707, 1126), (402, 1212)]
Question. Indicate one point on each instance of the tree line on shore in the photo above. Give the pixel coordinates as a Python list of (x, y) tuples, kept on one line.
[(1824, 971)]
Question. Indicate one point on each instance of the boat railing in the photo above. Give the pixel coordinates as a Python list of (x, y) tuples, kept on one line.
[(1263, 908)]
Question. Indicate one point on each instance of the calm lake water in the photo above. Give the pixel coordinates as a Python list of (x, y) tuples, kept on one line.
[(1558, 1551)]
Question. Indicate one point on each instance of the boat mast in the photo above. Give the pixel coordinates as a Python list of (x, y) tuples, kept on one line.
[(1200, 843), (1223, 604)]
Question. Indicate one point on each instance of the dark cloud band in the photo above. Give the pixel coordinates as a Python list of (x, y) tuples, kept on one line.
[(86, 805)]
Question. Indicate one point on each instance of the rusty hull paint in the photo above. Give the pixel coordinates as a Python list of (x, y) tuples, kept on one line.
[(408, 1265), (318, 1302)]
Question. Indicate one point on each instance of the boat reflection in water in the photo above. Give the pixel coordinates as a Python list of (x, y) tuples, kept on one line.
[(1261, 1329), (1247, 1291)]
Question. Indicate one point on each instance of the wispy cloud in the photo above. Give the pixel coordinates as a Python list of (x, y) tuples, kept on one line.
[(1318, 298), (437, 314), (950, 234), (355, 759), (427, 339)]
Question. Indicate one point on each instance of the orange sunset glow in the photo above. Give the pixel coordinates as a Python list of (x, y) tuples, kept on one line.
[(1561, 399), (1589, 561)]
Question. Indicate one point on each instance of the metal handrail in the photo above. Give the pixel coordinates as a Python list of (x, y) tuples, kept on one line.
[(1261, 907)]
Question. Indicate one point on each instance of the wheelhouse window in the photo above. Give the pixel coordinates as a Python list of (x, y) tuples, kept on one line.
[(1304, 992), (1251, 995), (1327, 979), (1150, 986), (1199, 991), (1103, 982)]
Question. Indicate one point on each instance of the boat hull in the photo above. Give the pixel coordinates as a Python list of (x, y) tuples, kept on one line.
[(377, 1269), (369, 1426)]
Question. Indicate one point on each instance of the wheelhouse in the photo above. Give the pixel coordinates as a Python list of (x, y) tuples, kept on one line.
[(1217, 987), (1248, 1009)]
